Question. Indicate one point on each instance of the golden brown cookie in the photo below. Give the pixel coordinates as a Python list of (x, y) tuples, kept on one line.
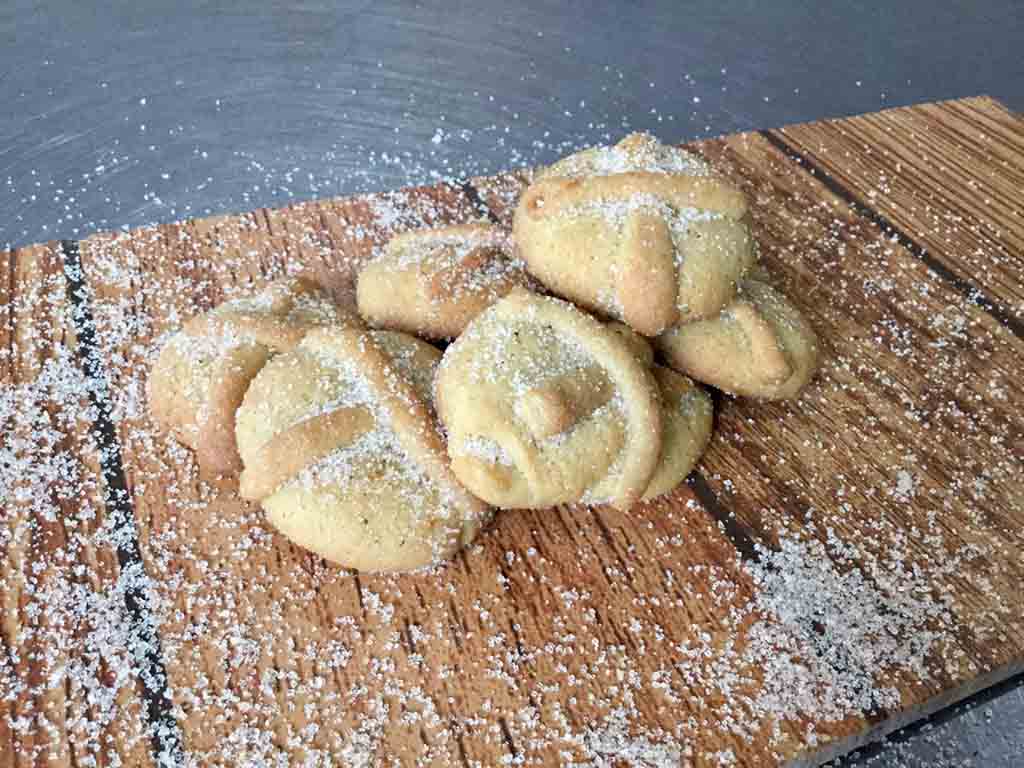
[(545, 405), (342, 449), (202, 372), (637, 152), (279, 315), (432, 282), (686, 417), (637, 344), (759, 346), (640, 232)]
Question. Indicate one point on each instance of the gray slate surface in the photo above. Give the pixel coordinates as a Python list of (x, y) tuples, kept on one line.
[(122, 113)]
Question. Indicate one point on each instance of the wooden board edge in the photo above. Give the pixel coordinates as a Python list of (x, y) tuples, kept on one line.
[(984, 98), (978, 99), (907, 717)]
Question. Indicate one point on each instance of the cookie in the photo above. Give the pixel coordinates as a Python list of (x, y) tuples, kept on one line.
[(203, 370), (544, 405), (280, 315), (432, 282), (637, 344), (639, 232), (343, 451), (759, 346), (686, 417)]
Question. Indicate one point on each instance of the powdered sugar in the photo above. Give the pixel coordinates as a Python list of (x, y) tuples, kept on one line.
[(647, 155), (609, 744), (486, 449), (616, 212), (523, 354), (72, 663), (665, 628)]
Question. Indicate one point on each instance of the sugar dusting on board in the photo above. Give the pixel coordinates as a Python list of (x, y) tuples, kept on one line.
[(69, 677), (600, 642)]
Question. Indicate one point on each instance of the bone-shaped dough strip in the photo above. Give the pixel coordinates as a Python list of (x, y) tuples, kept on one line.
[(554, 195), (408, 415), (272, 325), (215, 443), (462, 271), (647, 273), (287, 453), (481, 235)]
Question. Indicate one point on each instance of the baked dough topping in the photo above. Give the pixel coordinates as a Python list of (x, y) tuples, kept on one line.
[(341, 448), (203, 370), (543, 405), (760, 346), (433, 282), (637, 152), (646, 242)]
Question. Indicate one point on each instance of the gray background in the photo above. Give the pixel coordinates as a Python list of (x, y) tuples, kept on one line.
[(121, 113)]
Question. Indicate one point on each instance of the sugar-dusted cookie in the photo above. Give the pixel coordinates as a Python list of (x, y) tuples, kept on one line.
[(343, 451), (279, 315), (759, 346), (686, 417), (640, 232), (203, 370), (637, 344), (545, 405), (432, 282)]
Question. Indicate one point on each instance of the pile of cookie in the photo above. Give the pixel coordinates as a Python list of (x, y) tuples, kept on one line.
[(367, 445)]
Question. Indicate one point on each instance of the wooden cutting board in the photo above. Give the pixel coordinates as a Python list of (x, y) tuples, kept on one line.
[(835, 567)]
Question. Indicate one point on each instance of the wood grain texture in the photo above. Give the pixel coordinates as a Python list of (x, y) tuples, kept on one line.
[(903, 459), (954, 187), (68, 695), (836, 566), (912, 473), (477, 662)]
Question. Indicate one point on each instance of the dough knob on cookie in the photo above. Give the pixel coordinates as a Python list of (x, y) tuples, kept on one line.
[(641, 232), (203, 370), (544, 405), (432, 282), (759, 346), (342, 449)]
